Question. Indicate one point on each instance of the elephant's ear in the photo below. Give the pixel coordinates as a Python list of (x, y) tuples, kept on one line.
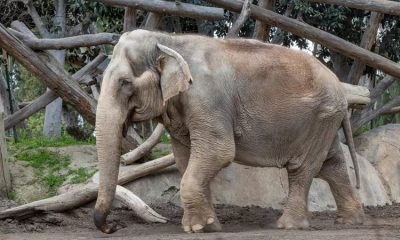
[(175, 73)]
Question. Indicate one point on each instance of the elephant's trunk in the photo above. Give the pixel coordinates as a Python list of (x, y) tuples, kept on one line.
[(108, 142)]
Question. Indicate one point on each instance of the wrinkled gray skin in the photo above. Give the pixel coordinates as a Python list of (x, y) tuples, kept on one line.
[(222, 101)]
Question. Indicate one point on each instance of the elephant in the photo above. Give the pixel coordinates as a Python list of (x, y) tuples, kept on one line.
[(223, 101)]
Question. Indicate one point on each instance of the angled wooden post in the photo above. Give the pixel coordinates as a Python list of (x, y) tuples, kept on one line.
[(5, 178)]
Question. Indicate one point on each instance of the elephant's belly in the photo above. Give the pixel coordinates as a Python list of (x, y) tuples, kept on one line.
[(263, 154)]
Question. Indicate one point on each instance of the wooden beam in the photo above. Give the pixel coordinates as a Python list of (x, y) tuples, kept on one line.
[(54, 76), (382, 6), (173, 8), (314, 34), (5, 177), (85, 40)]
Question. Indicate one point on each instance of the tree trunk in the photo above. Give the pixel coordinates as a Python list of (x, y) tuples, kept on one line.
[(53, 113), (5, 179), (261, 30), (368, 39)]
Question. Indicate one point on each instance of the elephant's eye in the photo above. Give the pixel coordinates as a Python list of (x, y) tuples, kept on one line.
[(124, 82)]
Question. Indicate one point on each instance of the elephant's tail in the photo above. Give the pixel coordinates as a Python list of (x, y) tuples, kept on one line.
[(349, 138)]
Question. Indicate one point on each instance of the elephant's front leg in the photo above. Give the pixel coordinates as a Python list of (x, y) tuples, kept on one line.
[(209, 154)]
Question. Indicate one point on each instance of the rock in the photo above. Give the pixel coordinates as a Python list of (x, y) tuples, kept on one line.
[(265, 187), (381, 146)]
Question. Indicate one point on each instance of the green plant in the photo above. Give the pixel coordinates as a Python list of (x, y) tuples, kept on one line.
[(165, 138), (48, 166), (80, 175)]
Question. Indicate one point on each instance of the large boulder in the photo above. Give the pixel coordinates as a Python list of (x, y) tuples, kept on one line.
[(381, 146), (265, 187)]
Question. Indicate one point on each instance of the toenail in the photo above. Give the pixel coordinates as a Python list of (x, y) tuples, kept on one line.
[(197, 227)]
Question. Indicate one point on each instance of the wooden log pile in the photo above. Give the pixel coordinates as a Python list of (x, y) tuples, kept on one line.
[(33, 54)]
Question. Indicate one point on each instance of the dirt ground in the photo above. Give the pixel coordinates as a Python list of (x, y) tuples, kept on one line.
[(238, 223)]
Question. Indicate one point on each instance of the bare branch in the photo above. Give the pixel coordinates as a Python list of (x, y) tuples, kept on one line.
[(314, 34), (381, 87), (368, 39), (392, 111), (144, 148), (382, 6), (85, 40), (49, 96), (173, 8), (368, 116), (244, 15), (37, 19)]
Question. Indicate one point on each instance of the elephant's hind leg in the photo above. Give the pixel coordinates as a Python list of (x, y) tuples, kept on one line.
[(334, 171), (295, 213), (209, 154)]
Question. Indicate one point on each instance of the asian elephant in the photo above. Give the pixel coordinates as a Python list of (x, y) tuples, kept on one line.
[(226, 100)]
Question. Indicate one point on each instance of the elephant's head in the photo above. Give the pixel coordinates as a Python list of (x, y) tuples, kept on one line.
[(142, 75)]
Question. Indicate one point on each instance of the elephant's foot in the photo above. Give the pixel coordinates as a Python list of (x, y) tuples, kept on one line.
[(287, 221), (200, 222), (350, 217)]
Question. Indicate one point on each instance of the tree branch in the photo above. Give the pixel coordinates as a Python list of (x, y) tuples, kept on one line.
[(381, 87), (244, 15), (162, 7), (368, 116), (85, 40), (37, 19), (382, 6), (314, 34), (144, 148), (368, 39), (49, 96)]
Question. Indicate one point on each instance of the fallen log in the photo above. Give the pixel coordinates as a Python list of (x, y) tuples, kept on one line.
[(144, 148), (316, 35), (140, 208), (87, 193), (382, 6), (173, 8)]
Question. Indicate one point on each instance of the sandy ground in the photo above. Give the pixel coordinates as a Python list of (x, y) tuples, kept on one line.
[(238, 223)]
